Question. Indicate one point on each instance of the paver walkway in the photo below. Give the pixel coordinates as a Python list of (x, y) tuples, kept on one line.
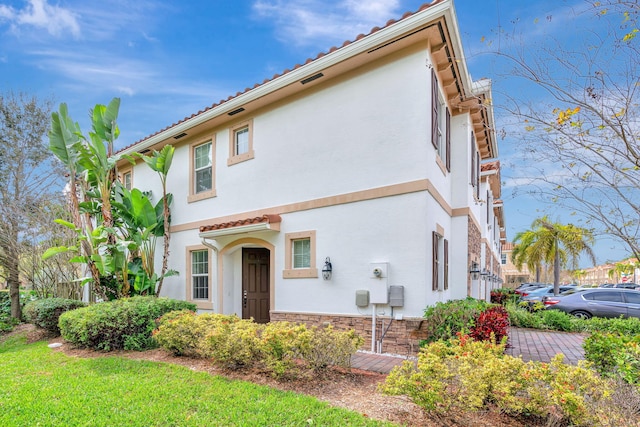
[(533, 344), (530, 344)]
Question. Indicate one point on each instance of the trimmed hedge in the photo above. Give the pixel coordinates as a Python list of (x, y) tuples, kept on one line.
[(126, 323), (44, 313), (281, 348)]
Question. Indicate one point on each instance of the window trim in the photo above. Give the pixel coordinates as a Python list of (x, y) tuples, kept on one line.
[(440, 117), (299, 273), (250, 154), (193, 196), (439, 265), (122, 173), (200, 303)]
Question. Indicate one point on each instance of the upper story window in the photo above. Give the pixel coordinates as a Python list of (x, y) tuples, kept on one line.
[(240, 142), (441, 123), (475, 166), (503, 259), (126, 178), (202, 170)]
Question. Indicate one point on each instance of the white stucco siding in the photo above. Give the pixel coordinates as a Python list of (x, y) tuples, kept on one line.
[(366, 130), (394, 230)]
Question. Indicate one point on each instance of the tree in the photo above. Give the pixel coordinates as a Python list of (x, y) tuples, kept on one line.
[(27, 177), (555, 243), (579, 131), (116, 228), (526, 252)]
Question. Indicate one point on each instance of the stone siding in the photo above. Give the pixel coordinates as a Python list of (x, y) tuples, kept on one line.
[(401, 337)]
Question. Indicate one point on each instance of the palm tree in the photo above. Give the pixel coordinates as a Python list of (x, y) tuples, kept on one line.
[(557, 243), (526, 252)]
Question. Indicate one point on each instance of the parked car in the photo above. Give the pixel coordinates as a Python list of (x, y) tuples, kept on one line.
[(600, 302), (527, 287), (606, 285), (627, 286), (541, 294)]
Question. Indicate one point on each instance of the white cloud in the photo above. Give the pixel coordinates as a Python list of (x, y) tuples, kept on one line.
[(40, 14), (304, 22)]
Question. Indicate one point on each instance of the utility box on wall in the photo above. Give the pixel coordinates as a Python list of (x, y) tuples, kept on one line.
[(396, 296), (362, 298), (379, 282)]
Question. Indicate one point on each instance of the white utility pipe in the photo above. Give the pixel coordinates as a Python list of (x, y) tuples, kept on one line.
[(373, 330)]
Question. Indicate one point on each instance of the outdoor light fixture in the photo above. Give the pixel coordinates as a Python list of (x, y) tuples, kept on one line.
[(474, 271), (485, 273), (326, 270)]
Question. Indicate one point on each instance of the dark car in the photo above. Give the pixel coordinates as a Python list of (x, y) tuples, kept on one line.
[(626, 286), (600, 302)]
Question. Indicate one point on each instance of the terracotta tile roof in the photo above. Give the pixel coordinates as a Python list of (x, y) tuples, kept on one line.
[(275, 76), (270, 219)]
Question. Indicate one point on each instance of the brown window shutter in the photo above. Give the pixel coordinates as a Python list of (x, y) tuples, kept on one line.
[(434, 264), (448, 138), (477, 175), (446, 264), (434, 108), (473, 160)]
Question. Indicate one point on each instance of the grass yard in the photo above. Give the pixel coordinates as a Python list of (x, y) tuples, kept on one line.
[(41, 387)]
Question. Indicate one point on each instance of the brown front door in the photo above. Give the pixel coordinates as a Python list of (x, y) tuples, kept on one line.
[(255, 284)]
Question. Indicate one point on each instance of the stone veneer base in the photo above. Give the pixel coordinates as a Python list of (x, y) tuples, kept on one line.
[(401, 337)]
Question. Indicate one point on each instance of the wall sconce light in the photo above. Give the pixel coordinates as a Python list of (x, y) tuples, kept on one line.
[(474, 271), (327, 269), (485, 273)]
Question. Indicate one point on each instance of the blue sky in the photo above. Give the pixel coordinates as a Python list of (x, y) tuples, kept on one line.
[(170, 59)]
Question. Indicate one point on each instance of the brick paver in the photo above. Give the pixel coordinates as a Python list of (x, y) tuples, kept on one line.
[(530, 344)]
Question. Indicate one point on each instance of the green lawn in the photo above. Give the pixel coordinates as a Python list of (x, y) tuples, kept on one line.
[(41, 387)]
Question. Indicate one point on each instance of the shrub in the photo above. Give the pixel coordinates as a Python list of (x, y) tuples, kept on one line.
[(465, 374), (281, 343), (559, 321), (44, 313), (282, 347), (615, 355), (502, 296), (183, 331), (493, 322), (446, 319), (622, 326), (126, 323), (231, 342), (329, 347)]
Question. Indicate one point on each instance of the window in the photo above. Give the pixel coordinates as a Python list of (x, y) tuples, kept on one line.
[(126, 180), (503, 259), (202, 171), (440, 266), (200, 274), (300, 253), (240, 143), (632, 297), (441, 123), (611, 296), (488, 208), (198, 283)]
